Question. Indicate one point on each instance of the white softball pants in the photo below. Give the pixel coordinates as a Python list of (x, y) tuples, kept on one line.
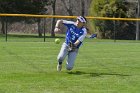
[(71, 56)]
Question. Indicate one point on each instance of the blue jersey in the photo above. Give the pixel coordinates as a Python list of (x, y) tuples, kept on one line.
[(73, 33)]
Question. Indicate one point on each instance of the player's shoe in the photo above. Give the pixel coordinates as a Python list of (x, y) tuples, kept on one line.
[(59, 67)]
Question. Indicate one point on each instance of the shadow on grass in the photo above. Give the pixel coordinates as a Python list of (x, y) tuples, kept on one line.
[(96, 74)]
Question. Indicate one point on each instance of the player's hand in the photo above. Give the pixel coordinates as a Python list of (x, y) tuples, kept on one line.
[(57, 29), (72, 47)]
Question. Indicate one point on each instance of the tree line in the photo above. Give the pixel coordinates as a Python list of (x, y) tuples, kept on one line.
[(116, 9), (21, 7), (99, 8), (70, 7)]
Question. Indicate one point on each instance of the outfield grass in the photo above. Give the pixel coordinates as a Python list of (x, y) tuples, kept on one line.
[(102, 66)]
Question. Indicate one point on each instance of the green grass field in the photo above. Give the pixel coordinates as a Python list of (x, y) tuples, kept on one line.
[(102, 66)]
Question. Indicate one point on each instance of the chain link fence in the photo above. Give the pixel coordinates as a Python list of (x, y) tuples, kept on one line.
[(37, 28)]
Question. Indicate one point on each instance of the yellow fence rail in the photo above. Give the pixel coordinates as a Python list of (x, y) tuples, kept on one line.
[(59, 16)]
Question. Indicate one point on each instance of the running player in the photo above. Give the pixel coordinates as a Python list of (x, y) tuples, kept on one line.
[(75, 34)]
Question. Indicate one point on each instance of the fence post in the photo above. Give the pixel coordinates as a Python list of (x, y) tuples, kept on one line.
[(137, 23), (114, 30), (44, 22), (6, 28)]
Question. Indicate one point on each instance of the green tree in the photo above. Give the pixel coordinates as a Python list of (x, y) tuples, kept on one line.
[(112, 8)]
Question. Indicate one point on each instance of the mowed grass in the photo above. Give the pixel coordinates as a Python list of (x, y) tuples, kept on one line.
[(102, 66)]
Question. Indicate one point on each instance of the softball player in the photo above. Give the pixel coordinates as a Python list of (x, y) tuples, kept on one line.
[(75, 35)]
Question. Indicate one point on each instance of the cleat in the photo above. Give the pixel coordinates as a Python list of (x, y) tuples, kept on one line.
[(59, 67)]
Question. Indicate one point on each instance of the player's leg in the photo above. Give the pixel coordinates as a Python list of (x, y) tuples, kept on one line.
[(71, 59), (61, 56)]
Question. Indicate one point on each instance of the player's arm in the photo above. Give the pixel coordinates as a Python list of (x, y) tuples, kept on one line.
[(73, 46), (60, 22), (57, 26), (81, 38), (77, 43)]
